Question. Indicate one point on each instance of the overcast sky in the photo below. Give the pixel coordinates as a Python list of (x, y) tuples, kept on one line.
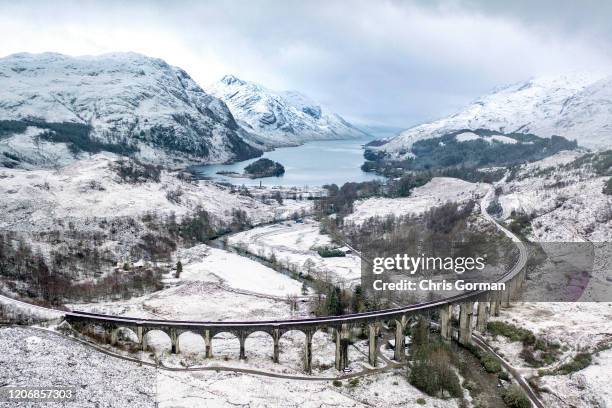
[(385, 62)]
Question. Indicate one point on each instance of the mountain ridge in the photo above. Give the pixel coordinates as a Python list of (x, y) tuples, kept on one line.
[(280, 118), (126, 98), (576, 106)]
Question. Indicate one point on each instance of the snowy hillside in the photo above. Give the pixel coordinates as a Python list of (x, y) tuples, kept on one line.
[(576, 106), (139, 103), (280, 118)]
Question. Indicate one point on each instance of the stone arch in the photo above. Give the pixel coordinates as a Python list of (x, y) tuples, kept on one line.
[(226, 344), (291, 347), (156, 339), (260, 344), (123, 336), (323, 348), (191, 342), (97, 332)]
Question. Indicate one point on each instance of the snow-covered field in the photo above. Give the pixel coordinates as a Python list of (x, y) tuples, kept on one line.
[(36, 358), (467, 136), (577, 327), (437, 192), (209, 389), (88, 199), (568, 205), (215, 285), (203, 263), (90, 188), (588, 388), (294, 245), (581, 325), (220, 285)]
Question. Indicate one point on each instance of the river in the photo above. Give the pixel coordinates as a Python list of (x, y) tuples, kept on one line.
[(311, 164)]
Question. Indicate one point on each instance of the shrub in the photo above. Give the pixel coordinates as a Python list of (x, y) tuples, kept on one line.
[(328, 252), (495, 208), (337, 383), (353, 382), (443, 219), (179, 269), (433, 379), (514, 397), (490, 363), (421, 401), (404, 186), (432, 372), (503, 375), (133, 171), (511, 331), (607, 189), (174, 196), (78, 138), (580, 361), (520, 224)]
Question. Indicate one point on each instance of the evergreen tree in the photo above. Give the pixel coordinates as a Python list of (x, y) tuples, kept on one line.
[(358, 300), (334, 303), (304, 289), (179, 268)]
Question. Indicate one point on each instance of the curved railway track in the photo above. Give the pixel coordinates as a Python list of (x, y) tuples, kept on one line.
[(331, 320), (355, 318)]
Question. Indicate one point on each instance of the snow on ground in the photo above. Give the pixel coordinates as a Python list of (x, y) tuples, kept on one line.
[(586, 388), (37, 359), (207, 301), (569, 205), (204, 301), (280, 118), (216, 285), (575, 106), (577, 327), (468, 136), (91, 189), (503, 139), (437, 192), (209, 389), (34, 358), (558, 159), (294, 244), (35, 149), (16, 309), (203, 263)]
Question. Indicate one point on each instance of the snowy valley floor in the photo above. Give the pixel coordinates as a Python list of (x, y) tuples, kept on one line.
[(220, 285), (35, 357)]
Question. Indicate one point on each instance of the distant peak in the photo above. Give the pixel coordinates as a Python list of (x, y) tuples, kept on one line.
[(231, 79)]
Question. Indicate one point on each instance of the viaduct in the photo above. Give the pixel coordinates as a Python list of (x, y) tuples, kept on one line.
[(474, 310)]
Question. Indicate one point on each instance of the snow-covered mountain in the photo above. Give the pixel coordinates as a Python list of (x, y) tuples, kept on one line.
[(280, 118), (127, 99), (575, 106)]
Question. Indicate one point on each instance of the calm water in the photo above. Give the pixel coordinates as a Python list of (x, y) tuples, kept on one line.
[(312, 164)]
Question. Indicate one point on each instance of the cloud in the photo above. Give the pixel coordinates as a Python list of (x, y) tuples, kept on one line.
[(387, 62)]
